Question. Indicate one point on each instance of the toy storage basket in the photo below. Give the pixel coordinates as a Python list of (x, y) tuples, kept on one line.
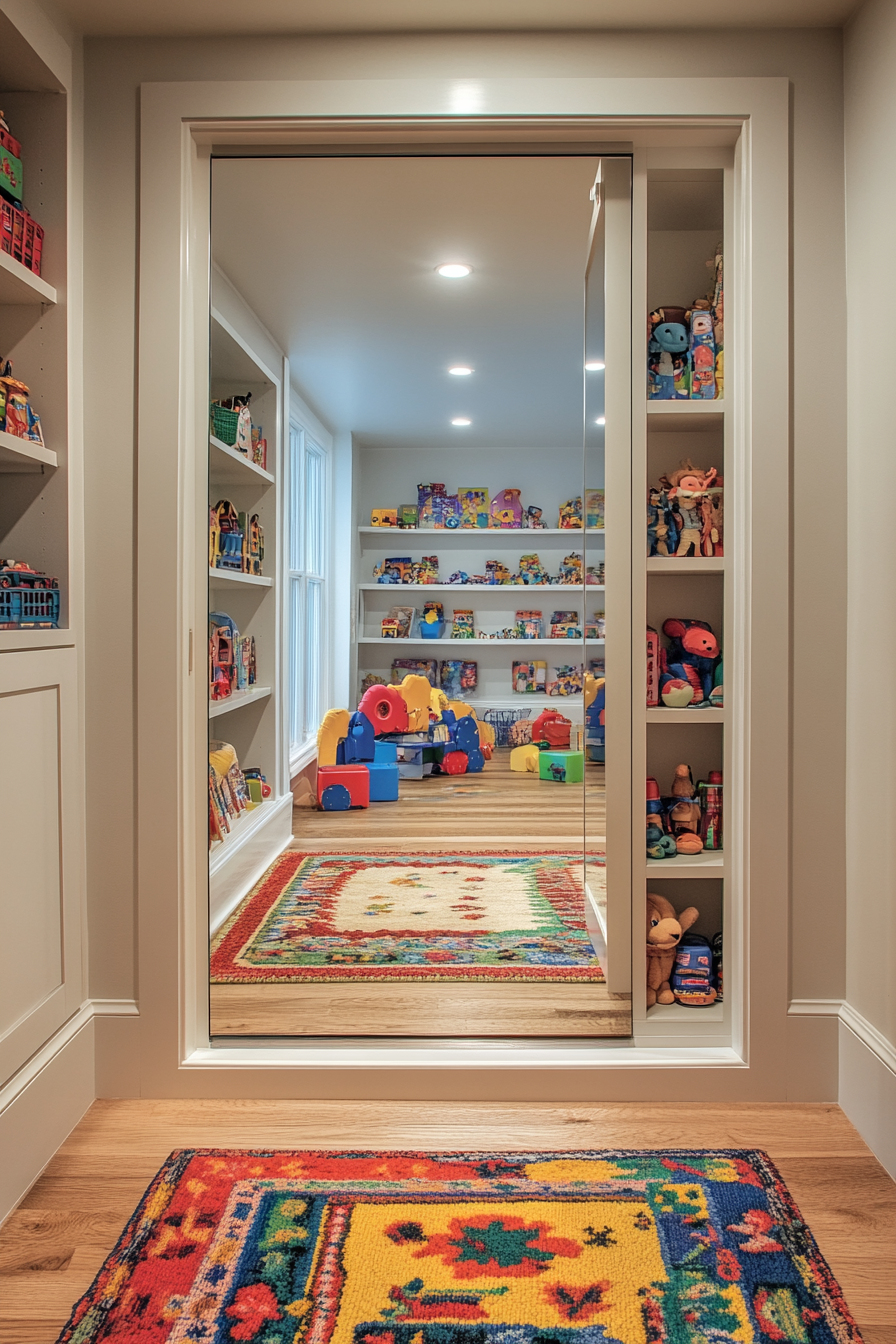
[(224, 424), (502, 720), (29, 607)]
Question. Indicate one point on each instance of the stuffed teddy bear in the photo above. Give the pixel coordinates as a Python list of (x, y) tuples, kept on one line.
[(664, 931)]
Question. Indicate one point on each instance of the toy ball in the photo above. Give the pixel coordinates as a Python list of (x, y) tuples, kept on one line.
[(677, 694)]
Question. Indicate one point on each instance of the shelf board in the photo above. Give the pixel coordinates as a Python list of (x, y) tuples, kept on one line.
[(666, 715), (483, 533), (505, 588), (471, 644), (20, 286), (690, 564), (709, 863), (20, 640), (241, 830), (22, 456), (684, 416), (226, 576), (229, 467), (235, 701), (676, 1012)]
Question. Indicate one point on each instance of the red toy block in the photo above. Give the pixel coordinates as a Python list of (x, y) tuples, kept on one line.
[(351, 779), (386, 709), (552, 728), (455, 762)]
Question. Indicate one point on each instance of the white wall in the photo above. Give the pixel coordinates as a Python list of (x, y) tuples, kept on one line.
[(812, 60), (868, 1082)]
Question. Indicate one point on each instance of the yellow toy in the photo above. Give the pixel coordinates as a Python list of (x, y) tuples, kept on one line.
[(486, 733), (525, 758), (592, 686), (333, 728), (416, 693), (438, 701)]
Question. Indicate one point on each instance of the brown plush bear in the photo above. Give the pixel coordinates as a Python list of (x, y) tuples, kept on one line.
[(664, 930)]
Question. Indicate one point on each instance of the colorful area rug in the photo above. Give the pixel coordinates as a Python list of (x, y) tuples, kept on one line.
[(499, 1248), (389, 916)]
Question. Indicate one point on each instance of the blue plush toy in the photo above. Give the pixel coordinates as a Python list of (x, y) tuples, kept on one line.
[(666, 349), (692, 657)]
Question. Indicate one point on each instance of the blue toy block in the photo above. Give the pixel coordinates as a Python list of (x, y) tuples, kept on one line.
[(410, 761), (384, 753), (383, 781), (475, 761), (336, 798), (359, 744), (466, 735)]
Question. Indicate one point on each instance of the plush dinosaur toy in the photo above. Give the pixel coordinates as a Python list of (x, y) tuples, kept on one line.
[(664, 931)]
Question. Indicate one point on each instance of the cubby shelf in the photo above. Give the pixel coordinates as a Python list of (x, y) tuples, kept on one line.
[(227, 576), (229, 467), (19, 286), (682, 416), (235, 701), (489, 534), (671, 1012), (507, 589), (694, 564), (574, 645), (21, 455), (709, 863), (685, 715)]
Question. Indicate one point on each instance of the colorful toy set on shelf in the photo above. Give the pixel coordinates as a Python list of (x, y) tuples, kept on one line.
[(16, 413), (553, 747), (29, 599), (689, 820), (400, 569), (688, 674), (230, 421), (407, 731), (231, 791), (685, 346), (685, 513), (231, 657), (235, 540), (531, 678), (682, 967), (21, 237), (472, 508)]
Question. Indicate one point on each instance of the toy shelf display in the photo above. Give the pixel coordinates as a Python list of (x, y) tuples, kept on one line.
[(21, 237)]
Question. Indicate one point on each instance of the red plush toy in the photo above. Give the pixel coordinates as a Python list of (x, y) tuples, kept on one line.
[(552, 728)]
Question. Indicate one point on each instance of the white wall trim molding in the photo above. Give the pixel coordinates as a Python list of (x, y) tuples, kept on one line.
[(815, 1008), (17, 1083), (115, 1007), (870, 1037)]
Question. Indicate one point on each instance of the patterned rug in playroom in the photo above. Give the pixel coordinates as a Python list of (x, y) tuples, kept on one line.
[(614, 1247), (395, 916)]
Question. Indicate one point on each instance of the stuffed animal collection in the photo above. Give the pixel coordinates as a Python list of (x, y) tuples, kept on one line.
[(681, 967), (685, 346), (686, 821), (685, 513), (690, 669)]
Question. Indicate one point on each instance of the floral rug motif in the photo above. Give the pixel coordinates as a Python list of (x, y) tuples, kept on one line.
[(613, 1247), (389, 916)]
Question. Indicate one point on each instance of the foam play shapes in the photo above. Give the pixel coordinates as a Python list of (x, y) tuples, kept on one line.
[(416, 692), (561, 767), (461, 709), (486, 734), (525, 758), (383, 781), (359, 740), (475, 761), (385, 708), (353, 779), (438, 701), (466, 735), (455, 762), (333, 728), (385, 753)]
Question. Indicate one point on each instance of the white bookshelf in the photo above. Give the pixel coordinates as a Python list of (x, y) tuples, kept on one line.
[(237, 700), (22, 455), (21, 287)]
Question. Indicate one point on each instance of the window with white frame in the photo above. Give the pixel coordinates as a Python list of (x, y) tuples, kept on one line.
[(309, 469)]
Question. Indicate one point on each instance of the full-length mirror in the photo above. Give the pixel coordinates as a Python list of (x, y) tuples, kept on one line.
[(408, 761)]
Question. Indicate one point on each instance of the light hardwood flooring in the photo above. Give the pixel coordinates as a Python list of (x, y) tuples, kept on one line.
[(56, 1241), (495, 809)]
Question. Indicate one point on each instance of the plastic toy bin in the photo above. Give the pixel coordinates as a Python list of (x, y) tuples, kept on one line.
[(431, 630), (224, 423), (34, 608)]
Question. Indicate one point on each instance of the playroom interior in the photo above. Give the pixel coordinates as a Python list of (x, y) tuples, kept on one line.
[(410, 634)]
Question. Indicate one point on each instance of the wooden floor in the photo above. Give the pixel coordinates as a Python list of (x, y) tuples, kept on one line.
[(53, 1245), (497, 808)]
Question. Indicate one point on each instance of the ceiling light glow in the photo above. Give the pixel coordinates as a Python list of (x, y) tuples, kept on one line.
[(460, 370), (594, 366), (601, 420), (454, 270), (461, 420)]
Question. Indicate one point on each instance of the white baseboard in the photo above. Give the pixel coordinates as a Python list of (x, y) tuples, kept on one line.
[(867, 1075), (115, 1008)]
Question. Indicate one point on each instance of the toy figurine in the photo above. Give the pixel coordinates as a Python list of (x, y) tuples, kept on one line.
[(506, 509), (571, 513), (702, 357), (459, 576), (532, 571), (229, 538), (474, 508), (452, 515), (667, 347), (533, 517), (571, 569), (664, 933), (496, 572), (390, 628), (462, 625), (253, 544), (429, 504), (528, 625), (692, 656)]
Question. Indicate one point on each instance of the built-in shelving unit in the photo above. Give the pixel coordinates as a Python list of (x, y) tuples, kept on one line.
[(19, 286), (244, 360), (23, 455), (687, 213)]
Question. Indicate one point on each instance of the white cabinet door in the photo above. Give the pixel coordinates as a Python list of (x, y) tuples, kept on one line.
[(42, 981)]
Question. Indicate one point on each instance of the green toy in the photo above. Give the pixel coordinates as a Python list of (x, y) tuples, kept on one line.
[(562, 767)]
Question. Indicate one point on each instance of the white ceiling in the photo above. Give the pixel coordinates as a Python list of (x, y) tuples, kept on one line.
[(337, 257), (222, 17)]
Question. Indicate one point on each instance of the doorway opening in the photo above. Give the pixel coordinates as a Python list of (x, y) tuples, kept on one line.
[(407, 597)]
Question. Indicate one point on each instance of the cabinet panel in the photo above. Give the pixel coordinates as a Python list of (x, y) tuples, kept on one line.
[(40, 886)]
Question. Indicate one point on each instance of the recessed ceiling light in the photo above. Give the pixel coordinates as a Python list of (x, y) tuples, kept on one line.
[(454, 270), (601, 420), (594, 366), (460, 370), (460, 420)]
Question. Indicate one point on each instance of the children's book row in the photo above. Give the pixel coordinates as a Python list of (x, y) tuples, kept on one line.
[(231, 790)]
